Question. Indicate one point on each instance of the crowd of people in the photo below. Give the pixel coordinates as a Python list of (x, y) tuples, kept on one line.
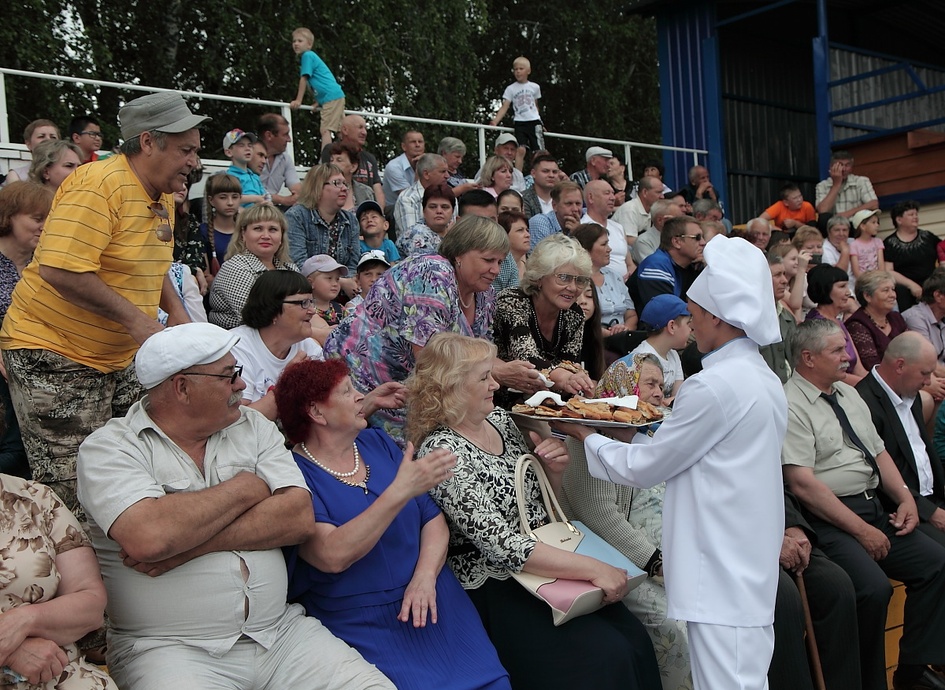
[(271, 427)]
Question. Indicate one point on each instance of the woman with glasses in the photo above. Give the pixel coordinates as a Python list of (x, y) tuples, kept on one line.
[(276, 331), (258, 245), (539, 321), (318, 223)]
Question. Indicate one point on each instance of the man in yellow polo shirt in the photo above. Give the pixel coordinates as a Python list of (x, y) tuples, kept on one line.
[(91, 294)]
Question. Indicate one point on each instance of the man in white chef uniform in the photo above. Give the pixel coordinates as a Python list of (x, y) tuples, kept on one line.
[(719, 454)]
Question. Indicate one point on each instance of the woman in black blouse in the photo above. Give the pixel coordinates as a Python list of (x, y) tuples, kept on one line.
[(910, 253)]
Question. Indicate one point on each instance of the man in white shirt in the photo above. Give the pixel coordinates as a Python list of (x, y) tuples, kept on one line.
[(545, 173), (719, 454), (634, 216), (399, 172), (190, 497), (599, 198), (891, 391)]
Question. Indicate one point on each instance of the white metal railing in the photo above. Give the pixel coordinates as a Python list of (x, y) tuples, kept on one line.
[(287, 114)]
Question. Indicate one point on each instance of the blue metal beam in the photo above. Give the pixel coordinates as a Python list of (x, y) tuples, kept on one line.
[(752, 13), (887, 101), (821, 58), (715, 130)]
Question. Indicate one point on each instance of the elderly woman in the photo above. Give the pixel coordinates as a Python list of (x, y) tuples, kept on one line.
[(876, 322), (422, 296), (36, 133), (258, 245), (836, 250), (23, 210), (632, 520), (539, 321), (424, 238), (276, 331), (451, 407), (496, 175), (53, 161), (453, 150), (909, 252), (828, 288), (515, 223), (346, 156), (51, 591), (617, 313), (318, 223), (372, 570)]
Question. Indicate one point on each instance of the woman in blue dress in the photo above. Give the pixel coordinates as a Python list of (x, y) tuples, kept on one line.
[(372, 572)]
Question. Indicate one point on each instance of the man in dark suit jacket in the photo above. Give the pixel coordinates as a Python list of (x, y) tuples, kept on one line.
[(891, 393)]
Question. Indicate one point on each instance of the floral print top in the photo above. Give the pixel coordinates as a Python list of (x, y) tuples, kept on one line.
[(418, 241), (479, 503), (408, 304)]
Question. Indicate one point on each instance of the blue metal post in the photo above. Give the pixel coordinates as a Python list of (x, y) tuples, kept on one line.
[(821, 52), (715, 132)]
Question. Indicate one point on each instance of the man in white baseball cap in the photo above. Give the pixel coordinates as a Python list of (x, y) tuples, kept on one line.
[(597, 160), (190, 496), (90, 297), (719, 454)]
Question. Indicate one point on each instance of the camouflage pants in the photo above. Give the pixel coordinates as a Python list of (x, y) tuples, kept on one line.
[(58, 403)]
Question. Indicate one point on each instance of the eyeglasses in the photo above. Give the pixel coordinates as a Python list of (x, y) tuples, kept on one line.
[(563, 279), (697, 238), (94, 135), (237, 370), (164, 231), (304, 303), (341, 184)]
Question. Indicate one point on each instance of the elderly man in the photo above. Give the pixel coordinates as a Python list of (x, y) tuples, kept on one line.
[(597, 162), (408, 211), (719, 449), (778, 356), (864, 514), (506, 146), (545, 172), (634, 216), (700, 186), (928, 316), (566, 204), (354, 131), (706, 209), (843, 193), (399, 172), (649, 241), (891, 391), (191, 496), (279, 170), (670, 269), (599, 198), (454, 150), (90, 296)]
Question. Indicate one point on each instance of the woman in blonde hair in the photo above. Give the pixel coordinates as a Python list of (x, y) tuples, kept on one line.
[(539, 321), (258, 245), (318, 223), (450, 406)]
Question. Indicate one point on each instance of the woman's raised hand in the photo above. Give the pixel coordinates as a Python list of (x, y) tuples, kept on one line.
[(417, 476)]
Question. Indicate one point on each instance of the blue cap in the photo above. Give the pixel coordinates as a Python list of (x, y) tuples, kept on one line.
[(662, 309)]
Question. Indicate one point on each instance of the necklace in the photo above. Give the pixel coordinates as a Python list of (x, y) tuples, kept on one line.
[(465, 306), (342, 476), (885, 323)]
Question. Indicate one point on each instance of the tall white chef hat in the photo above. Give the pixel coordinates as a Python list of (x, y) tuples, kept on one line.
[(736, 287)]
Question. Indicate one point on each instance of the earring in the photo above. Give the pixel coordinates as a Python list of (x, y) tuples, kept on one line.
[(459, 264)]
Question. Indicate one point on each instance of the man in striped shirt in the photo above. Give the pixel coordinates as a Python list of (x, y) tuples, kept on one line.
[(90, 296)]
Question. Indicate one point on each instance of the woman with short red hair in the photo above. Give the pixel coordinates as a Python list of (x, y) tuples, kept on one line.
[(372, 571)]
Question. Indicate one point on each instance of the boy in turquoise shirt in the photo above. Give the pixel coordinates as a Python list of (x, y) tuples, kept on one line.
[(315, 74), (238, 147)]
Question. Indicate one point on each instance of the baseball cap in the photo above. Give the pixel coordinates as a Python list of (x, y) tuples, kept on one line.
[(369, 205), (662, 309), (322, 263), (234, 135), (598, 151), (178, 348), (860, 216), (373, 255), (164, 112), (505, 138)]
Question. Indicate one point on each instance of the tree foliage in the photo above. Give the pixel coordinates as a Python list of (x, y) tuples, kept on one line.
[(449, 59)]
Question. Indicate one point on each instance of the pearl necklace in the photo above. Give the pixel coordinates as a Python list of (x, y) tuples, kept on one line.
[(343, 476)]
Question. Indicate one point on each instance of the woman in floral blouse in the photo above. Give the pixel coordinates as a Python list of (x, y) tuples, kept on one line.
[(51, 592), (450, 394)]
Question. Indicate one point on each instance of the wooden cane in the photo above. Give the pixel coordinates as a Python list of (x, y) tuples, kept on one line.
[(812, 653)]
